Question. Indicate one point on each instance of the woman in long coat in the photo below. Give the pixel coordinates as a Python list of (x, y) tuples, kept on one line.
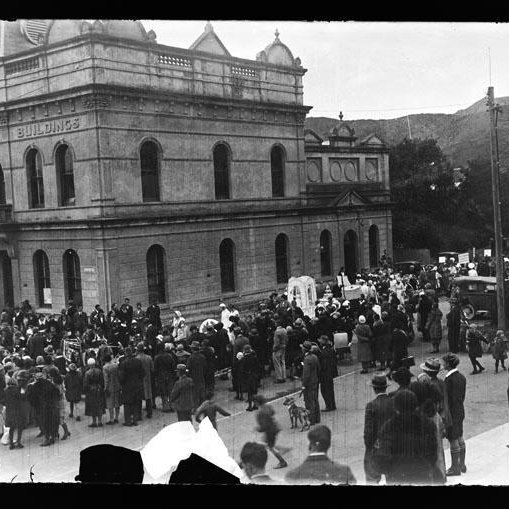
[(17, 408), (434, 327), (111, 388), (382, 339), (249, 372), (93, 387), (364, 336)]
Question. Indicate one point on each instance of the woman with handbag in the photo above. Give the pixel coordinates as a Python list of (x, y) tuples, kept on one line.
[(499, 349)]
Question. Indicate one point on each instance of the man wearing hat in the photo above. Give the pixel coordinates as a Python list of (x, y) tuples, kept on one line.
[(197, 366), (148, 369), (164, 373), (318, 468), (131, 375), (328, 371), (310, 382), (378, 412), (182, 395), (455, 388)]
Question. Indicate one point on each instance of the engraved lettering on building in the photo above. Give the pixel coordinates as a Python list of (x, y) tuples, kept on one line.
[(44, 128)]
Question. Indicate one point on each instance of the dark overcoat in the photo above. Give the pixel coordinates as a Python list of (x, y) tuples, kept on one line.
[(93, 387), (73, 383), (182, 395), (17, 408), (454, 393), (131, 379)]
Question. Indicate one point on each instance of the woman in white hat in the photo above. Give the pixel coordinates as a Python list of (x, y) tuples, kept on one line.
[(364, 336)]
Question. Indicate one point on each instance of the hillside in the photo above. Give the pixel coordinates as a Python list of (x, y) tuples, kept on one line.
[(462, 136)]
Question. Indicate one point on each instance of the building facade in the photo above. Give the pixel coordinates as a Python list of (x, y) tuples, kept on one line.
[(134, 169)]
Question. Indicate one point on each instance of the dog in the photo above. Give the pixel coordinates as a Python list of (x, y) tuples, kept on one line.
[(297, 414)]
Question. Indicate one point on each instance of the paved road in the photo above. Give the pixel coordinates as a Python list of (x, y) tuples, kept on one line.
[(486, 411)]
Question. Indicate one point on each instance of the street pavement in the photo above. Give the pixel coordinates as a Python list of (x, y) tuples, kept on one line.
[(486, 428)]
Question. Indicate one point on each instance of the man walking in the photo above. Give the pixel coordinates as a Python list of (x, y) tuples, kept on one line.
[(378, 412), (328, 371), (310, 381)]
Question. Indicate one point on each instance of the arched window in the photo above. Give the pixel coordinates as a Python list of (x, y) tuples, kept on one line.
[(42, 279), (156, 274), (281, 258), (35, 179), (351, 250), (2, 186), (227, 265), (65, 176), (72, 277), (277, 169), (222, 159), (149, 157), (325, 253), (374, 247)]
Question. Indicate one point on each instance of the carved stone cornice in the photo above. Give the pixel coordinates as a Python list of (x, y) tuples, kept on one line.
[(96, 101)]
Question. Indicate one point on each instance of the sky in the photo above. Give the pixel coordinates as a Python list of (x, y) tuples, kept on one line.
[(372, 69)]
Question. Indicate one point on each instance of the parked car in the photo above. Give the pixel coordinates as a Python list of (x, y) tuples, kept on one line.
[(478, 297), (408, 267), (448, 255)]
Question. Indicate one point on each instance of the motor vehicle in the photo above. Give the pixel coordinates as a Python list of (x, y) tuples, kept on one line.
[(478, 297), (406, 267), (448, 255)]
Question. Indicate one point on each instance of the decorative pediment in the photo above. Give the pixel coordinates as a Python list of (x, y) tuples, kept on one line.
[(311, 136), (209, 42), (348, 199), (372, 139)]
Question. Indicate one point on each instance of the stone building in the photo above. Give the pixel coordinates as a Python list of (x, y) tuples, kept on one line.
[(133, 169)]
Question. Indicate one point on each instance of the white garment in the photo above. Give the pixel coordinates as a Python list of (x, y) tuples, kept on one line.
[(472, 273)]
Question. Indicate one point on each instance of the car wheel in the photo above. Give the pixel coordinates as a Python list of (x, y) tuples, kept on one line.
[(468, 311)]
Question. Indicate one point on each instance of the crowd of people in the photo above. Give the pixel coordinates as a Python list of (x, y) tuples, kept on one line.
[(127, 356)]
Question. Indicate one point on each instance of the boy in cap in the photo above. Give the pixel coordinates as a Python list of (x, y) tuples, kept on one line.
[(209, 408), (378, 412), (455, 389), (269, 427)]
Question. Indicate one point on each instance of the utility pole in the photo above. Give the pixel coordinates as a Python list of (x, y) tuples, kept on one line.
[(494, 109)]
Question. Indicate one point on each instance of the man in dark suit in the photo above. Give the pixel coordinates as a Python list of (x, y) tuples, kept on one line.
[(197, 367), (182, 395), (131, 375), (36, 344), (455, 387), (378, 411), (80, 320), (153, 315), (253, 458), (310, 381), (328, 371), (318, 468)]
